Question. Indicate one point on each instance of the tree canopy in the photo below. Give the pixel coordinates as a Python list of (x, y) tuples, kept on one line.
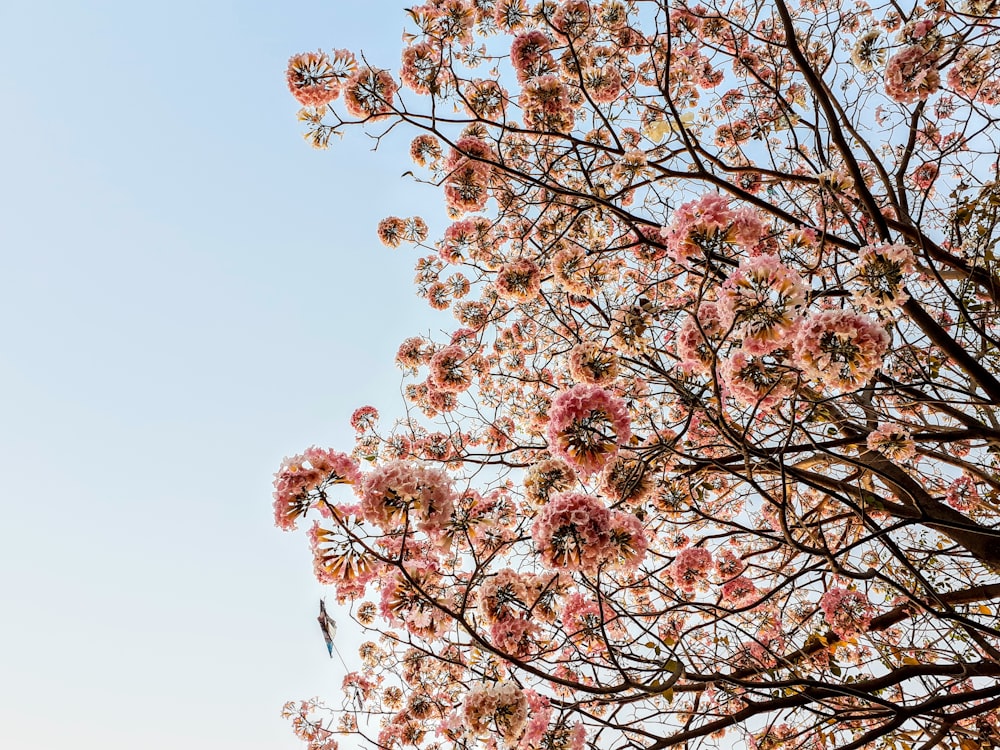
[(709, 456)]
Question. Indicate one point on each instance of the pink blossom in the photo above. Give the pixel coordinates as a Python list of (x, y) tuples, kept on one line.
[(312, 78), (364, 418), (404, 492), (450, 369), (882, 271), (573, 532), (301, 481), (586, 425), (529, 54), (499, 709), (519, 280), (848, 613), (590, 362), (911, 75), (893, 441), (690, 568), (759, 382), (762, 301), (739, 591), (698, 338), (368, 94), (629, 541), (840, 349), (546, 106)]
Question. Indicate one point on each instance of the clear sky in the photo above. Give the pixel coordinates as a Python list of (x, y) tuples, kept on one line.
[(189, 293)]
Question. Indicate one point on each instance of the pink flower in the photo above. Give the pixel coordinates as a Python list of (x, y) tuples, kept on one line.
[(882, 271), (840, 349), (848, 613), (699, 337), (368, 94), (893, 441), (759, 382), (547, 478), (364, 418), (629, 541), (529, 54), (497, 709), (301, 482), (519, 280), (313, 79), (739, 591), (590, 362), (911, 75), (546, 106), (586, 426), (400, 493), (762, 301), (573, 532), (450, 370), (690, 568)]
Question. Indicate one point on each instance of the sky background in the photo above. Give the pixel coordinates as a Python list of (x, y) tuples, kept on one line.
[(189, 293)]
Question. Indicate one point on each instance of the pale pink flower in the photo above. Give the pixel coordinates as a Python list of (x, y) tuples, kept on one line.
[(518, 280), (314, 80), (425, 150), (893, 441), (301, 482), (762, 301), (698, 227), (368, 94), (690, 569), (364, 418), (882, 271), (586, 426), (840, 349), (529, 54), (546, 106), (413, 352), (547, 478), (699, 337), (573, 532), (911, 75), (848, 613), (739, 591), (499, 709), (761, 382), (391, 231), (450, 369), (590, 362), (629, 541), (400, 493), (963, 494)]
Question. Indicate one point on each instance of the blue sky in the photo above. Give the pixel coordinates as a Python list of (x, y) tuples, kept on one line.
[(189, 293)]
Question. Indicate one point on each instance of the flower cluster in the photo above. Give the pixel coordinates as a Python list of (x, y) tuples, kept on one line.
[(592, 363), (762, 301), (498, 709), (405, 492), (882, 270), (690, 569), (573, 532), (848, 613), (840, 349), (301, 480), (911, 75), (586, 425), (893, 441)]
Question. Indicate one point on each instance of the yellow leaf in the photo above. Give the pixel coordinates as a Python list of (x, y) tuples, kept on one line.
[(911, 661)]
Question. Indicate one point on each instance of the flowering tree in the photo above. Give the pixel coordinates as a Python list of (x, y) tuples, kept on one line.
[(712, 448)]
